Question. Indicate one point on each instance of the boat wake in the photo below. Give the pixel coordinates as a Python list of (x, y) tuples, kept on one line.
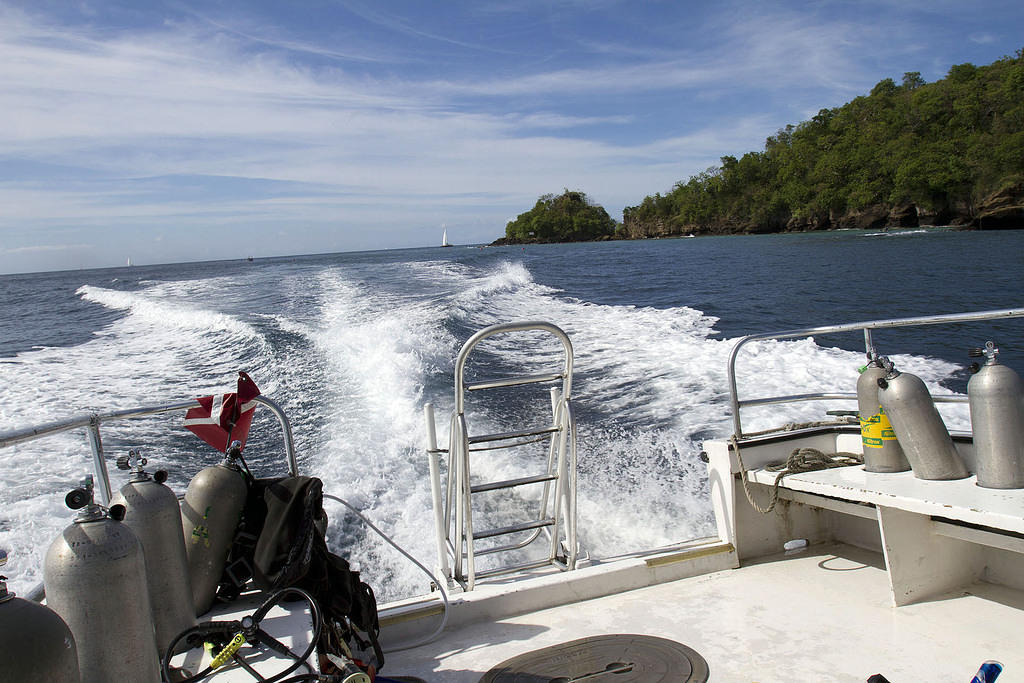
[(353, 352)]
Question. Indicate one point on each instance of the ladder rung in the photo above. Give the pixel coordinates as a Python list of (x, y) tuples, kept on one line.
[(518, 568), (510, 483), (512, 435), (525, 526), (515, 381)]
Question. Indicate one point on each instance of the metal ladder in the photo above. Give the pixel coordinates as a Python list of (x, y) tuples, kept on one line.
[(556, 514)]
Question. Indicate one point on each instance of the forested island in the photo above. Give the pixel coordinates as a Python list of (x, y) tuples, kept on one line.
[(907, 154)]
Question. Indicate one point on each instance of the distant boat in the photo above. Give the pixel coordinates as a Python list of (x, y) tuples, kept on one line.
[(444, 238), (129, 261), (250, 259)]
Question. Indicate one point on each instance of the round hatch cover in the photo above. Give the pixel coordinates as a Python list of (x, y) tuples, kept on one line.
[(617, 658)]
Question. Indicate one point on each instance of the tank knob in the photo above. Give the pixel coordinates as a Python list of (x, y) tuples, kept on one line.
[(78, 498), (82, 499), (117, 512), (160, 476)]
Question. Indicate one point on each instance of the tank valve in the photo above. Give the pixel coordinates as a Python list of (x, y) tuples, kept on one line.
[(83, 499), (134, 460), (233, 455), (989, 352)]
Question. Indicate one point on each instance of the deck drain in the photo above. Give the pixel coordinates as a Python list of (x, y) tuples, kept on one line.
[(616, 658)]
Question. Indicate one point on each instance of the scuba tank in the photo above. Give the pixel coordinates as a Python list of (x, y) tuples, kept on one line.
[(996, 397), (882, 451), (209, 516), (154, 517), (37, 644), (918, 425), (95, 577)]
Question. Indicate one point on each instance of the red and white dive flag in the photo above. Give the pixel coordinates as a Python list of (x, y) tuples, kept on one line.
[(224, 418)]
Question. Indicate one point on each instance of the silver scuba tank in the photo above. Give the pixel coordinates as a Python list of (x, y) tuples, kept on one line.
[(882, 451), (209, 516), (918, 426), (95, 578), (153, 515), (36, 643), (996, 397)]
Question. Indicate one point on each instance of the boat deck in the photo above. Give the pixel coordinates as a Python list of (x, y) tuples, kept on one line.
[(821, 614)]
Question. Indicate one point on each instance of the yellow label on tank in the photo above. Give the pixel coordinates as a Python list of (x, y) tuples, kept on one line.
[(876, 430)]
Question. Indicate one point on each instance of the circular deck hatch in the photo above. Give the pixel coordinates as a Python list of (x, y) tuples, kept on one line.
[(617, 658)]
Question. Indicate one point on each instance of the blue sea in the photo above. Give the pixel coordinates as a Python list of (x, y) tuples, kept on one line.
[(354, 344)]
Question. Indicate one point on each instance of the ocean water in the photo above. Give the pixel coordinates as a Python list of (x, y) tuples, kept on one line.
[(353, 345)]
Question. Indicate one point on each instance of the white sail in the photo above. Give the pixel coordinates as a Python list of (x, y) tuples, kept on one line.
[(444, 238)]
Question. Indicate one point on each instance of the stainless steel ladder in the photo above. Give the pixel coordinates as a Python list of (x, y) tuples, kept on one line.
[(556, 514)]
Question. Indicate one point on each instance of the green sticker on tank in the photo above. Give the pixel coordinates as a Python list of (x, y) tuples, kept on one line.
[(876, 430)]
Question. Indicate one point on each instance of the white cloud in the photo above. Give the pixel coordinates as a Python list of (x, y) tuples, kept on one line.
[(45, 248), (149, 126)]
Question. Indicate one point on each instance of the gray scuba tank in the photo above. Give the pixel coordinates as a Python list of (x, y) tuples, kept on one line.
[(918, 425), (882, 451), (153, 515), (95, 577), (36, 643), (996, 398), (209, 516)]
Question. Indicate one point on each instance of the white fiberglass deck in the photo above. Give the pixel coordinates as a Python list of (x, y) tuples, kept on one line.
[(823, 614)]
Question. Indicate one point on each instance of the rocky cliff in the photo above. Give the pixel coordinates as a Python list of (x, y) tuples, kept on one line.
[(1002, 210)]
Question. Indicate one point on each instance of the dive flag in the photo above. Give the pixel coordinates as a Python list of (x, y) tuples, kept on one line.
[(221, 419)]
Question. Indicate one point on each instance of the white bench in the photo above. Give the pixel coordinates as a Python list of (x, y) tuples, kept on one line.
[(935, 536)]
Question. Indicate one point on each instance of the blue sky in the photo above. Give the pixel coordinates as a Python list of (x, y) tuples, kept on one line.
[(187, 130)]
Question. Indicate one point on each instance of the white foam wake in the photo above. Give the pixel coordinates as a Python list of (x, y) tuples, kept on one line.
[(353, 352)]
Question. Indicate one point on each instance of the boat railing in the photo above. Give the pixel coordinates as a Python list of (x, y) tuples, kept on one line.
[(91, 423), (867, 327)]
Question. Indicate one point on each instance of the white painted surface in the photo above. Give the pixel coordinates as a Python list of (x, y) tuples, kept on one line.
[(960, 499), (820, 615), (289, 623)]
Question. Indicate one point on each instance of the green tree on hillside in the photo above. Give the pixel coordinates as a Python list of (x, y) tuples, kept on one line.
[(937, 148), (568, 217)]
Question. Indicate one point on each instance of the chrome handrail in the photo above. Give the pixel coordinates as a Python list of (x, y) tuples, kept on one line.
[(867, 327), (92, 421), (503, 328)]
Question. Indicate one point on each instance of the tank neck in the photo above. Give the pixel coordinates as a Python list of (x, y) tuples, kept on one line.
[(138, 474), (91, 513)]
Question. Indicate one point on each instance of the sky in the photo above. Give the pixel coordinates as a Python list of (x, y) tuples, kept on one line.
[(164, 131)]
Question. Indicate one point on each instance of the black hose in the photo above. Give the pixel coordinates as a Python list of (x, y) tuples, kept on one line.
[(229, 628)]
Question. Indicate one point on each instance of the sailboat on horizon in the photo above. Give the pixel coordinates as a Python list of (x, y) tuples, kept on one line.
[(444, 236)]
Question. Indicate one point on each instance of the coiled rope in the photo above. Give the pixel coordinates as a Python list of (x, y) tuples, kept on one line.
[(800, 460)]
